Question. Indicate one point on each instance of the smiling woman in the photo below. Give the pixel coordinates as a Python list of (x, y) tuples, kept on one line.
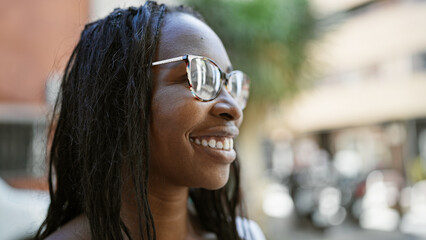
[(144, 128)]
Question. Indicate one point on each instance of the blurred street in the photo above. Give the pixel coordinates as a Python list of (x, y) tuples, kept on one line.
[(345, 231)]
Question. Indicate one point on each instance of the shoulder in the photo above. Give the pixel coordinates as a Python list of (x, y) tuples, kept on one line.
[(249, 229), (77, 228)]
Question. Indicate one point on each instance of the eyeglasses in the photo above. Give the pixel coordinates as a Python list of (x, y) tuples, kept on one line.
[(205, 79)]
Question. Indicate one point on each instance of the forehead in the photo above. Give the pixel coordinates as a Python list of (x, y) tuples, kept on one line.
[(183, 34)]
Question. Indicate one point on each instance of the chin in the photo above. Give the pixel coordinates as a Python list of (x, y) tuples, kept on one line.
[(215, 187), (216, 182)]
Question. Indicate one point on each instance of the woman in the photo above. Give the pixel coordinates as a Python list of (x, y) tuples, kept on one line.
[(143, 142)]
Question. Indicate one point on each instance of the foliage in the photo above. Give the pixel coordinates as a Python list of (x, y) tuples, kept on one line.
[(264, 38)]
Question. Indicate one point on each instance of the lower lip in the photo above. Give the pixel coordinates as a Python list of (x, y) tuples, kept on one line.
[(220, 156)]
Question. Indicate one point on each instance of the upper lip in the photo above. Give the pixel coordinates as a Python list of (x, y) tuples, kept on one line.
[(218, 131)]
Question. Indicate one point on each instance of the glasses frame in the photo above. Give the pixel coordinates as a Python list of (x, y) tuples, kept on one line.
[(224, 77)]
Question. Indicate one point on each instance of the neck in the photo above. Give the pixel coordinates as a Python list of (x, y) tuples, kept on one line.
[(169, 210)]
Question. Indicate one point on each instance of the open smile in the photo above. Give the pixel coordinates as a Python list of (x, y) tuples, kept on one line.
[(219, 143), (221, 149)]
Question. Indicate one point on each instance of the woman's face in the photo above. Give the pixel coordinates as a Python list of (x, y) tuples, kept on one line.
[(179, 121)]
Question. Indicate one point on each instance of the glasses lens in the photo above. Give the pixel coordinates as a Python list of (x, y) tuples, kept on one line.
[(238, 87), (205, 78)]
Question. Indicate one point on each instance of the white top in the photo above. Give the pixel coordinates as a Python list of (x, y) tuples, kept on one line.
[(247, 229), (255, 232)]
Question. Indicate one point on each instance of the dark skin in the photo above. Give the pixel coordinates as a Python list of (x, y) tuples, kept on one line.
[(177, 163)]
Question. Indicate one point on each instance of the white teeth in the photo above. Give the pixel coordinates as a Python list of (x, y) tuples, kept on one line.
[(226, 144), (212, 143)]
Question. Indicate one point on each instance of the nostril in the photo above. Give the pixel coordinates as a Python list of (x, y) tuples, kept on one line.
[(225, 108), (227, 116)]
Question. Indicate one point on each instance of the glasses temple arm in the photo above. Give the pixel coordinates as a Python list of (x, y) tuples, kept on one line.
[(170, 60)]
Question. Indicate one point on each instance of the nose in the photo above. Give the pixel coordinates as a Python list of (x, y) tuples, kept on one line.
[(226, 107)]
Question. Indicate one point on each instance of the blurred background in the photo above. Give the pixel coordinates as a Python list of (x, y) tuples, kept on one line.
[(333, 144)]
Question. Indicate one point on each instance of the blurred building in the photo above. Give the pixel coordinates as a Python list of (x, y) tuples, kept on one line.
[(36, 39), (371, 64), (364, 117)]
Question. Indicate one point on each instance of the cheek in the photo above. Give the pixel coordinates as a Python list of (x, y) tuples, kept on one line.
[(173, 111), (173, 115), (173, 158)]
